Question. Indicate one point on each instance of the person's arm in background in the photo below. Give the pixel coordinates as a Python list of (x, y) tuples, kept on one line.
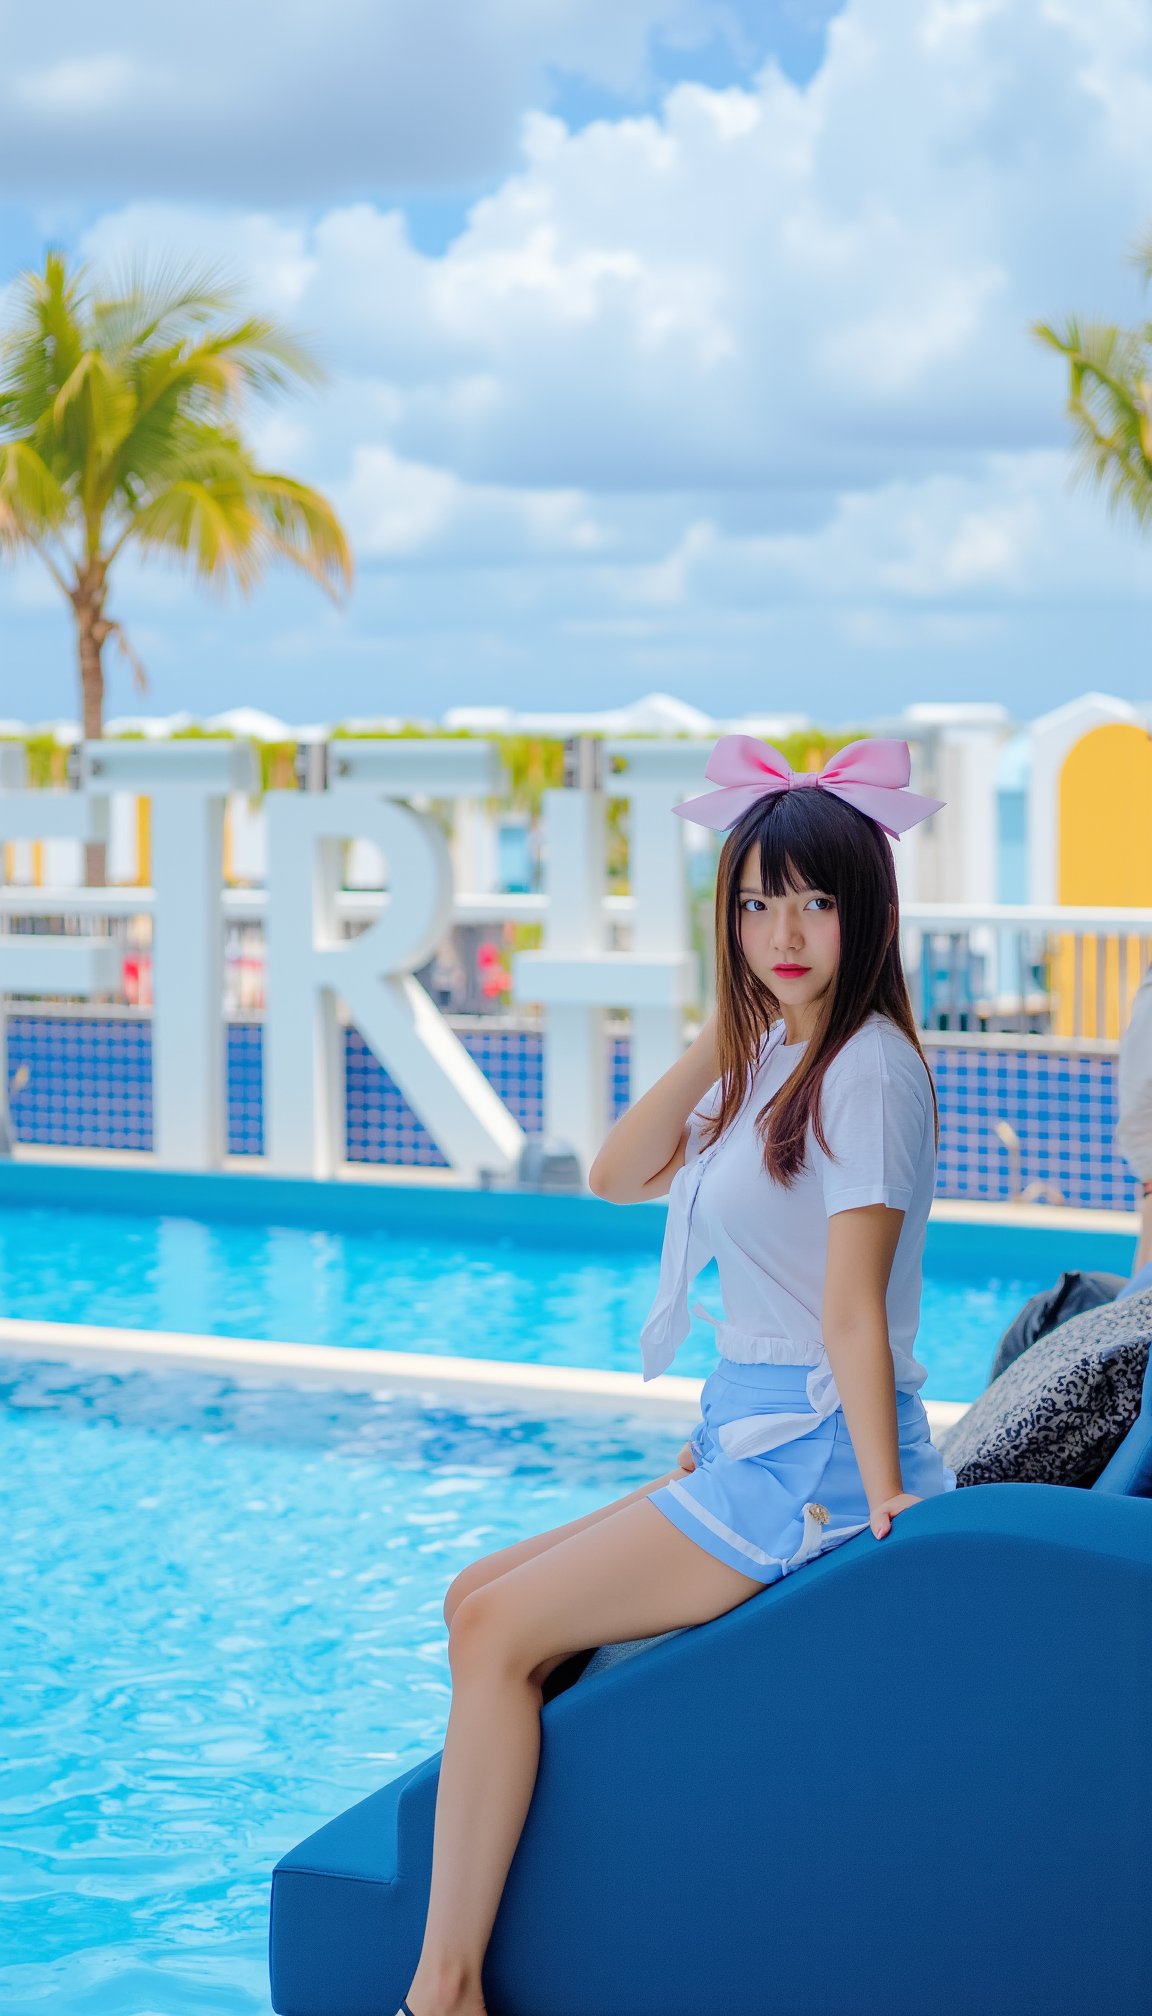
[(1134, 1132)]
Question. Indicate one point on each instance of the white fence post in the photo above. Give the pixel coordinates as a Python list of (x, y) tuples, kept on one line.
[(657, 776), (575, 1034)]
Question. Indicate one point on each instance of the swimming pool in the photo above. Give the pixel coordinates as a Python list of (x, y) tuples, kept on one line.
[(419, 1282), (220, 1623), (220, 1602)]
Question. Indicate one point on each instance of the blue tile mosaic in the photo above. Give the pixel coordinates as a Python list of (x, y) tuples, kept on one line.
[(245, 1088), (89, 1086), (89, 1080), (1062, 1111)]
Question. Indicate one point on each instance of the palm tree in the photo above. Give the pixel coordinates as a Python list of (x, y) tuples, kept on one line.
[(120, 426), (1110, 400)]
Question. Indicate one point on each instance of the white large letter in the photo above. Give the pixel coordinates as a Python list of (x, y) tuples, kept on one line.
[(188, 782), (310, 967), (574, 975)]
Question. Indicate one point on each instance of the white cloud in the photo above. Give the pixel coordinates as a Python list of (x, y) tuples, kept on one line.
[(767, 287), (404, 511), (1015, 530), (688, 381), (95, 84), (304, 104)]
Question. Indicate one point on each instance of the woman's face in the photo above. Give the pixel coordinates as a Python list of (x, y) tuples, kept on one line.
[(791, 942)]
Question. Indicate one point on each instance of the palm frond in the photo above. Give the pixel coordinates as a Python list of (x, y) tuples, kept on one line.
[(162, 303), (127, 652), (248, 356), (228, 519), (43, 344), (206, 385), (92, 412), (305, 530), (1142, 256), (212, 527), (1110, 404), (32, 503)]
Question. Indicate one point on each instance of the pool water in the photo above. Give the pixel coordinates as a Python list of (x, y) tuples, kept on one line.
[(508, 1297), (220, 1600), (220, 1624)]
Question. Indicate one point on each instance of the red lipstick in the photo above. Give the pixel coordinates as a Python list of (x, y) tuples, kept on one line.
[(791, 972)]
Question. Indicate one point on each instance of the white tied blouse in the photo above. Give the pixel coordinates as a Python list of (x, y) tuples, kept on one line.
[(770, 1242)]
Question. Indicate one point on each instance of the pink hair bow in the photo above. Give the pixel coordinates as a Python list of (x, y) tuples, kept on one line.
[(872, 775)]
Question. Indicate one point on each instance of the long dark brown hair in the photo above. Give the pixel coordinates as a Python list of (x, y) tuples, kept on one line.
[(807, 840)]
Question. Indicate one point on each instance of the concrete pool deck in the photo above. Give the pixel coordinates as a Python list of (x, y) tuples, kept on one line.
[(559, 1388)]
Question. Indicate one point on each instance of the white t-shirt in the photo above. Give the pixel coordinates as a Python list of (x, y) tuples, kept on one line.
[(770, 1242)]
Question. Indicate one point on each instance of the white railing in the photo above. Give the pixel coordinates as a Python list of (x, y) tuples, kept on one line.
[(1063, 972), (119, 900), (247, 905)]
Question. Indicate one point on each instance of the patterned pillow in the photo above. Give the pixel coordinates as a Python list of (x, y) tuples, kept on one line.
[(1058, 1411)]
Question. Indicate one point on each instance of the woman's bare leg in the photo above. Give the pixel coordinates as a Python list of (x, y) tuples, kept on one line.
[(631, 1575), (489, 1566)]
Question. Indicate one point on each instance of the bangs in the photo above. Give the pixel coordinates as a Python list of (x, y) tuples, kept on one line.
[(796, 851), (783, 874)]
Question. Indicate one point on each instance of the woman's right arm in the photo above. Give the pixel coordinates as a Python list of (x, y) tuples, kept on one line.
[(646, 1146), (1134, 1090)]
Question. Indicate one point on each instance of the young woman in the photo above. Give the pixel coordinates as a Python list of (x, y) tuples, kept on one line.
[(796, 1141)]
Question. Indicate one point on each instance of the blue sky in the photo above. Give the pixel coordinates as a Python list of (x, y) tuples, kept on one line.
[(672, 344)]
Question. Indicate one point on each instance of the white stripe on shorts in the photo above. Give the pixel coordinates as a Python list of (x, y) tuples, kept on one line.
[(723, 1532)]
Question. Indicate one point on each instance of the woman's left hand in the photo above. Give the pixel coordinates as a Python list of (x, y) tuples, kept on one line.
[(881, 1516)]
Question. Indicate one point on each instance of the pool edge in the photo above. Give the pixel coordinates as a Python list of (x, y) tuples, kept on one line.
[(564, 1388)]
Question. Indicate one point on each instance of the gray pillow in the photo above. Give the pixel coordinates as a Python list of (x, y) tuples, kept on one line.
[(1058, 1411)]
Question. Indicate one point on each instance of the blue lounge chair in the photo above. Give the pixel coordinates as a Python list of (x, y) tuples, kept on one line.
[(913, 1778)]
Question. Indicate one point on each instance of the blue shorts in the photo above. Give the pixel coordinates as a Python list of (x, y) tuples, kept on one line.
[(768, 1514)]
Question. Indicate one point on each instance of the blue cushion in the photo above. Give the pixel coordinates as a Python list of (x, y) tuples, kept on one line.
[(1129, 1469), (703, 1832)]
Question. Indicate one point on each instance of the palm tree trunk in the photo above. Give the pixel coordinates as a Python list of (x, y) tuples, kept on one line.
[(91, 632)]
